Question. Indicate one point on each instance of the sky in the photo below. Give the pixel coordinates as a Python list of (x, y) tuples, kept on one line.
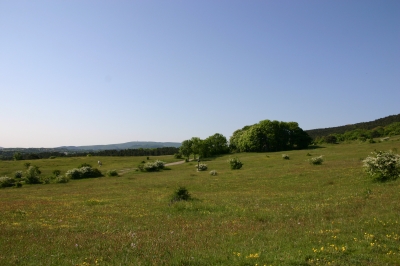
[(104, 72)]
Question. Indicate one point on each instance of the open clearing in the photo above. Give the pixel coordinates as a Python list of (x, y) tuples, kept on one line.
[(270, 212)]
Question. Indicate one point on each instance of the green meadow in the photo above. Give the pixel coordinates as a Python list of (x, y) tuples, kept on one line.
[(270, 212)]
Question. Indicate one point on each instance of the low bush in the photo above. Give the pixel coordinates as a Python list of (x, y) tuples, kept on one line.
[(112, 173), (84, 165), (285, 156), (180, 194), (6, 181), (27, 165), (201, 167), (213, 172), (316, 160), (159, 164), (235, 163), (83, 172), (33, 175), (152, 166), (62, 179), (52, 157), (18, 174), (178, 156), (56, 173), (383, 165)]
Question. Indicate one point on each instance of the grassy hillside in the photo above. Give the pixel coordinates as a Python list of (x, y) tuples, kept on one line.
[(381, 122), (270, 212)]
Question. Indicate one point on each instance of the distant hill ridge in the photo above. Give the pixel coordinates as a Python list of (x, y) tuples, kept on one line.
[(123, 146), (381, 122)]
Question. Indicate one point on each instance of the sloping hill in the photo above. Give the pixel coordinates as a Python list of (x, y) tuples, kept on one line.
[(320, 132)]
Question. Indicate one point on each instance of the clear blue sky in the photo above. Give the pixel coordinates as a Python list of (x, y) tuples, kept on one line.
[(101, 72)]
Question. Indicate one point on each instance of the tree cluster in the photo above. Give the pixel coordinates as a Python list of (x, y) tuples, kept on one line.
[(269, 136), (213, 145)]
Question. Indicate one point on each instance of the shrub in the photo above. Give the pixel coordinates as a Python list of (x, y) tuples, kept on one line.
[(83, 172), (285, 156), (159, 164), (84, 165), (18, 174), (181, 194), (201, 167), (383, 165), (27, 165), (150, 167), (235, 163), (52, 157), (6, 181), (73, 174), (213, 172), (62, 179), (316, 160), (32, 175), (178, 156), (56, 172), (112, 173)]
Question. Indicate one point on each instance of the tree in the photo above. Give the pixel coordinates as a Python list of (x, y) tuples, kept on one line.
[(186, 148), (216, 144), (196, 146), (17, 156)]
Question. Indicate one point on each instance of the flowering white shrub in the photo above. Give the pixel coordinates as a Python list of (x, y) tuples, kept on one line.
[(383, 165), (83, 172), (18, 174), (201, 167), (150, 167), (213, 172), (316, 160), (285, 156), (159, 164), (6, 181), (235, 163)]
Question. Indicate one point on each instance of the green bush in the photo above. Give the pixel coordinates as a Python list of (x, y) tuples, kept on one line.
[(84, 165), (83, 172), (33, 175), (159, 164), (26, 165), (201, 167), (235, 163), (285, 156), (178, 156), (52, 157), (181, 194), (383, 165), (56, 172), (62, 179), (6, 181), (112, 173), (150, 167), (18, 174), (316, 160)]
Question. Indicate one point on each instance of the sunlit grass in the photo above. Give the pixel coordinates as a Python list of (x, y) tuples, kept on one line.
[(270, 212)]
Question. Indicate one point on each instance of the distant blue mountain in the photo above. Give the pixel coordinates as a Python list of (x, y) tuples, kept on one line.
[(123, 146)]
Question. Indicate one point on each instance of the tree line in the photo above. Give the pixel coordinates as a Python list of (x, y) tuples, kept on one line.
[(261, 137), (382, 122), (29, 154), (361, 134)]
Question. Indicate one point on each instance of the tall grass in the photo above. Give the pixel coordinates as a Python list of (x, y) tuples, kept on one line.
[(270, 212)]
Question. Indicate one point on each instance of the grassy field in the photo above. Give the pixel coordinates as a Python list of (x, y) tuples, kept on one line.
[(270, 212)]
